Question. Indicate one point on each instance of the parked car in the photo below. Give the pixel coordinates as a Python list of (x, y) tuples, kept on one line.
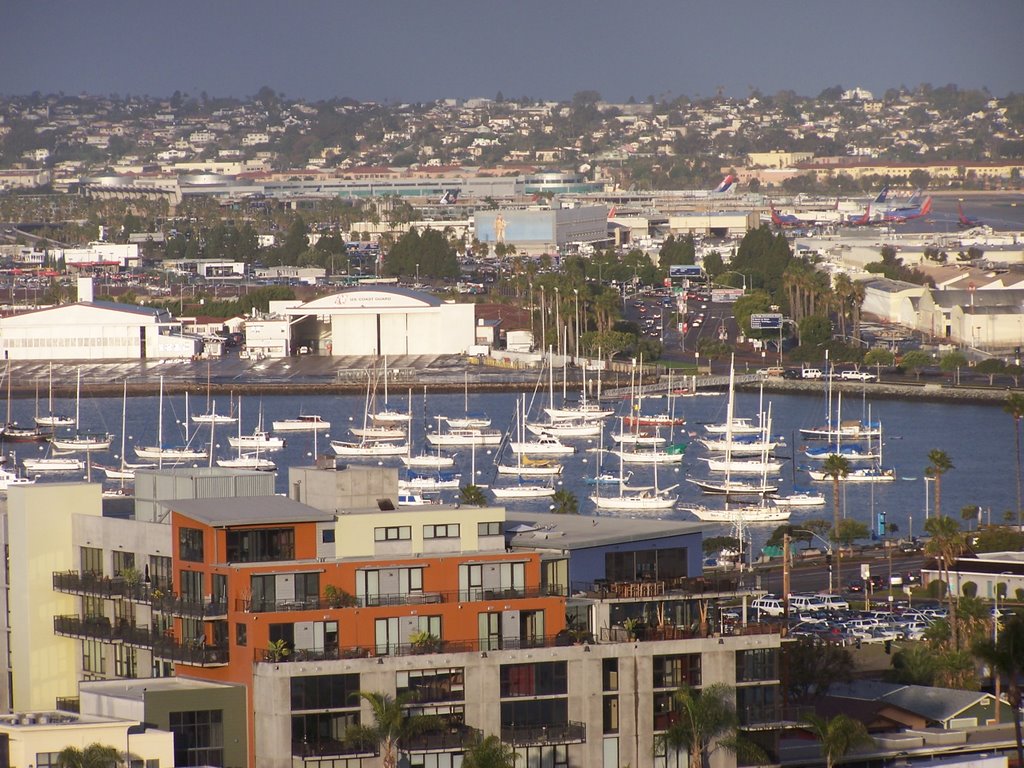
[(811, 373), (856, 376), (770, 606)]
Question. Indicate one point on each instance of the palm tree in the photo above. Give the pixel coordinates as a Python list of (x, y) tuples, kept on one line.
[(392, 725), (947, 543), (838, 735), (93, 756), (1015, 407), (837, 467), (489, 753), (1005, 655), (565, 503), (939, 464), (707, 720), (472, 496)]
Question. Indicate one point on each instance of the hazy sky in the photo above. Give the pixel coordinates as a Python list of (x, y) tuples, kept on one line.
[(418, 50)]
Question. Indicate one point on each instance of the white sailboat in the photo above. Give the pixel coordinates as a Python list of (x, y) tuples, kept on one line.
[(259, 440), (522, 490), (243, 460), (126, 471), (467, 420), (96, 441), (53, 420), (160, 453), (387, 414), (304, 422), (366, 447), (426, 460), (636, 498), (211, 416)]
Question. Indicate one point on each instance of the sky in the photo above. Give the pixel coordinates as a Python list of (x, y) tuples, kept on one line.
[(421, 50)]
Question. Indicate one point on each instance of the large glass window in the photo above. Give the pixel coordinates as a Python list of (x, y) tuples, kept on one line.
[(547, 678), (447, 531), (260, 545), (757, 664), (160, 570), (646, 564), (94, 658), (198, 737), (192, 586), (534, 712), (324, 692), (393, 533), (123, 561), (92, 560), (676, 671), (190, 545), (432, 685), (126, 661), (307, 588)]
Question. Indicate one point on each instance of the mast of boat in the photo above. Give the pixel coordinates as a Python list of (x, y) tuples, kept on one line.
[(78, 401), (124, 422), (565, 362), (187, 419), (211, 408), (408, 437), (600, 365), (160, 428), (8, 391), (551, 379), (385, 382), (49, 400)]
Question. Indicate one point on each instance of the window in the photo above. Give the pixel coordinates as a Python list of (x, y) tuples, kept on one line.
[(388, 585), (160, 571), (94, 659), (190, 545), (488, 529), (432, 685), (534, 712), (241, 633), (676, 671), (757, 664), (123, 561), (540, 679), (556, 756), (93, 607), (448, 531), (610, 675), (126, 663), (307, 588), (260, 545), (198, 737), (324, 692), (610, 714), (192, 586), (393, 533), (47, 759), (757, 704), (327, 536), (92, 560)]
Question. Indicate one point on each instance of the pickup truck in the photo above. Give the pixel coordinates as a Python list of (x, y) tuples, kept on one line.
[(857, 376)]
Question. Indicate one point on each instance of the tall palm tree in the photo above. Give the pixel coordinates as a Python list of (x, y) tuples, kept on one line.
[(472, 495), (947, 543), (565, 503), (837, 467), (939, 464), (392, 725), (1005, 656), (707, 721), (1015, 407), (93, 756), (489, 752), (838, 735)]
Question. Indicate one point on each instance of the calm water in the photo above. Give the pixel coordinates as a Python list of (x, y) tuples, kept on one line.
[(978, 438)]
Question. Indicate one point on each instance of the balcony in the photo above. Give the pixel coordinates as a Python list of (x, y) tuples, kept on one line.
[(100, 628), (535, 735), (682, 587), (450, 737), (409, 649), (176, 605), (96, 585), (327, 748), (481, 594), (196, 654)]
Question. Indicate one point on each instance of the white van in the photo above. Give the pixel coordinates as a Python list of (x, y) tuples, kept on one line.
[(811, 373), (834, 602), (807, 603), (770, 606)]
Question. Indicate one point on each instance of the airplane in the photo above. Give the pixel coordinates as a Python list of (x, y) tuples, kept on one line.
[(862, 220), (450, 197), (966, 222), (727, 186), (901, 215), (785, 220)]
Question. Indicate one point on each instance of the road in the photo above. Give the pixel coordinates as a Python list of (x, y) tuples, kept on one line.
[(814, 576)]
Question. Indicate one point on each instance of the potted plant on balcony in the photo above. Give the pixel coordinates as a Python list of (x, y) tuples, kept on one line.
[(278, 650), (632, 627), (338, 598), (424, 642)]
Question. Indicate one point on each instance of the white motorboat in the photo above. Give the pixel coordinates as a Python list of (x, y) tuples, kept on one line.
[(638, 438), (308, 422), (545, 445), (799, 498), (739, 426), (378, 432), (475, 436), (53, 464), (858, 475), (742, 466), (523, 491), (248, 461), (369, 449), (10, 479), (258, 440), (428, 461), (428, 481)]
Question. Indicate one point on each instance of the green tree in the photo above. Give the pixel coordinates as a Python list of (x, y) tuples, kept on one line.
[(677, 251), (472, 496), (939, 464), (838, 736), (851, 530), (296, 242), (836, 467), (1015, 407), (1005, 657), (810, 666), (990, 368), (707, 721), (914, 361), (565, 503), (489, 752), (392, 725), (713, 265), (914, 664), (879, 357), (93, 756), (952, 362), (947, 543)]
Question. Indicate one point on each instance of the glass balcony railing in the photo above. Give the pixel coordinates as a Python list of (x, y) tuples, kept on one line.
[(530, 735)]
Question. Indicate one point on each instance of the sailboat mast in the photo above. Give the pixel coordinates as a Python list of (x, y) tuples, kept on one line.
[(160, 428), (78, 396)]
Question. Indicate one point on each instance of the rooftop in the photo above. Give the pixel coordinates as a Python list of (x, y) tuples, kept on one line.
[(542, 530), (249, 510), (136, 690)]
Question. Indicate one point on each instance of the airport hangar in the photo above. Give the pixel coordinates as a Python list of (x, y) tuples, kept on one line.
[(382, 320)]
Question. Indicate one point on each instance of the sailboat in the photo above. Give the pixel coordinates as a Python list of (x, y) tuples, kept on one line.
[(126, 471), (602, 476), (730, 486), (53, 420), (636, 498), (467, 420), (11, 432), (426, 460), (260, 439), (304, 422), (160, 452), (584, 411), (386, 414), (96, 441), (850, 430), (211, 416), (522, 490), (367, 447), (648, 452), (873, 474), (243, 460), (756, 466), (575, 427)]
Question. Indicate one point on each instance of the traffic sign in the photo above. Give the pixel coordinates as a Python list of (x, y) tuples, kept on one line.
[(766, 321)]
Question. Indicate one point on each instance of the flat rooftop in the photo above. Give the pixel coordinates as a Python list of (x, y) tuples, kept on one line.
[(530, 530), (247, 510), (135, 690)]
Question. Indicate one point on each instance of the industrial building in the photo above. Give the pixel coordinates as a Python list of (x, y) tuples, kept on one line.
[(543, 230)]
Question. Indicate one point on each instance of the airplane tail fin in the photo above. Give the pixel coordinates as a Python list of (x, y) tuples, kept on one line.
[(927, 207), (882, 195), (726, 186), (611, 213)]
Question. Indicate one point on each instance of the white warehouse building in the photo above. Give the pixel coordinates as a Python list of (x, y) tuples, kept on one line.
[(95, 330), (379, 320)]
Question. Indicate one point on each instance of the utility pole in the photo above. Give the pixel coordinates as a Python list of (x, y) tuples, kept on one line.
[(785, 574)]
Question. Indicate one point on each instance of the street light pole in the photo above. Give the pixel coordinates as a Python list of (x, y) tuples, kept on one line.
[(576, 295)]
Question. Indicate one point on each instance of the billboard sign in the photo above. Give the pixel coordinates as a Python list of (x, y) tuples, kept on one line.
[(684, 270), (766, 321)]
